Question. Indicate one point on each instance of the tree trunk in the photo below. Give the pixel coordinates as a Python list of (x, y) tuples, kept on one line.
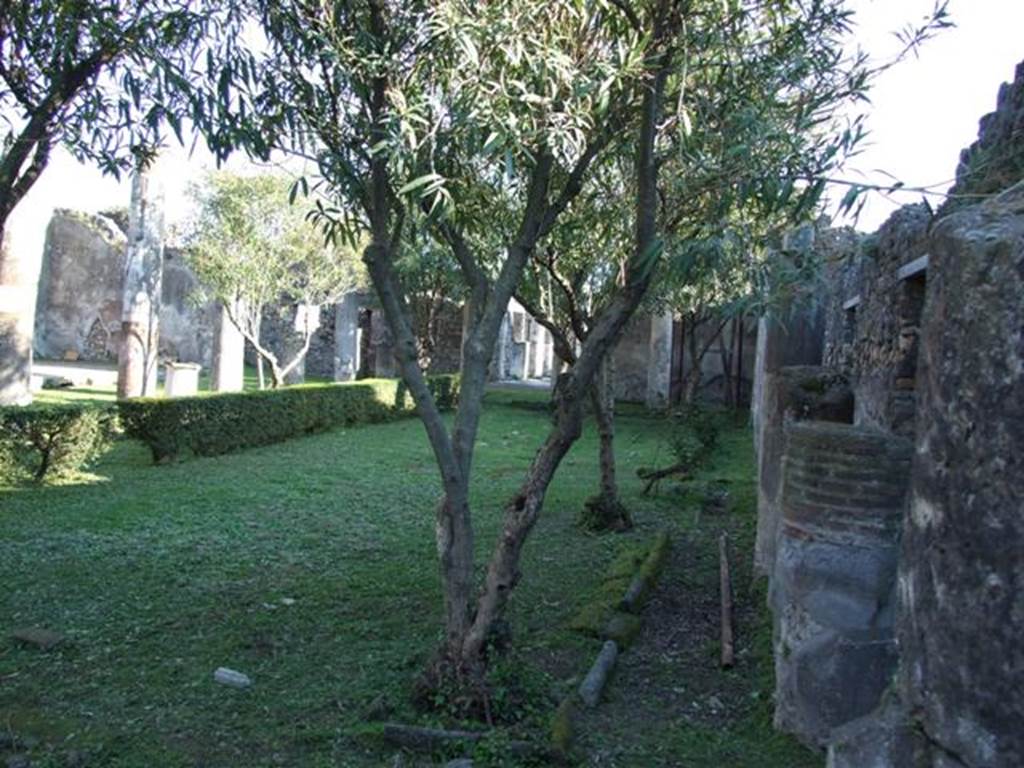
[(521, 515), (276, 374), (522, 511), (455, 552), (740, 338), (692, 384), (725, 354), (604, 414), (605, 511)]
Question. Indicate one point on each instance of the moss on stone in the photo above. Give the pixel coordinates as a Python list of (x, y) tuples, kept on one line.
[(657, 557), (623, 628), (635, 564), (591, 618), (626, 562), (563, 729)]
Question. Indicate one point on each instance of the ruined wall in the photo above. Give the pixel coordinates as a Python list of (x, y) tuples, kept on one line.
[(964, 535), (78, 310), (630, 358), (958, 319), (320, 358), (186, 324), (873, 318), (996, 160)]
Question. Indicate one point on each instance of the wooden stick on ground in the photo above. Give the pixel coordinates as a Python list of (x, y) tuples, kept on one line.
[(655, 476), (725, 587)]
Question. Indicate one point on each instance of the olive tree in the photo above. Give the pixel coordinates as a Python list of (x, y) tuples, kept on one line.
[(486, 123), (251, 249)]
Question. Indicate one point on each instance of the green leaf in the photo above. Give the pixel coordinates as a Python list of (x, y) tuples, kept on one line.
[(420, 181)]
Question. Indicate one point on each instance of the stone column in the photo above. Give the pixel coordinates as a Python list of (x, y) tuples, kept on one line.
[(228, 374), (659, 361), (17, 311), (307, 316), (141, 286), (346, 338)]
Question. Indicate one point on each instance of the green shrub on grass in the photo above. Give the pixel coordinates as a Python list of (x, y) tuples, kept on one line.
[(694, 435), (41, 443), (208, 425)]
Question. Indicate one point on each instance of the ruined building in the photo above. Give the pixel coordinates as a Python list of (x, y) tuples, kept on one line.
[(889, 423), (80, 306)]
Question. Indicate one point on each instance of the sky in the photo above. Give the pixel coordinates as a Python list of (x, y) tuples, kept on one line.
[(922, 113)]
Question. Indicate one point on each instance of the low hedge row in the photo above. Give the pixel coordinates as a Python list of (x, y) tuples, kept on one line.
[(40, 443), (208, 425)]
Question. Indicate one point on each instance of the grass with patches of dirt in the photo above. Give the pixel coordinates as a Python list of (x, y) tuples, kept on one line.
[(310, 566)]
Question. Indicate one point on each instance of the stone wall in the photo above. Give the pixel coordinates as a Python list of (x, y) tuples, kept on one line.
[(630, 357), (963, 541), (996, 160), (926, 320), (186, 322), (834, 582), (78, 309), (875, 300)]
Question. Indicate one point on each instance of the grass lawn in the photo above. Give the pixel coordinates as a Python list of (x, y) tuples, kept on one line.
[(310, 566), (101, 394)]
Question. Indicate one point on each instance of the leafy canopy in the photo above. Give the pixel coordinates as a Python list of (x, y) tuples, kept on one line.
[(248, 245)]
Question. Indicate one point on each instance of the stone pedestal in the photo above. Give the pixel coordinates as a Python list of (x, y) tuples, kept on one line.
[(181, 379), (228, 373), (346, 338)]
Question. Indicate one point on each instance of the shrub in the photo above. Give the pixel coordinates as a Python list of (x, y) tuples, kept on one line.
[(49, 442), (694, 436), (208, 425)]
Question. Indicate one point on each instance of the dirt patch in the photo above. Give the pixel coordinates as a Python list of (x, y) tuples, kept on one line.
[(671, 677)]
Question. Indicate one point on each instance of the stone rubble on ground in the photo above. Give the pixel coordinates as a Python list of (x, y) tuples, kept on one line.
[(231, 678), (38, 637)]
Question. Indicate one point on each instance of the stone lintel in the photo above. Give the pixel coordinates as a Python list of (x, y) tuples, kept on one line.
[(913, 268)]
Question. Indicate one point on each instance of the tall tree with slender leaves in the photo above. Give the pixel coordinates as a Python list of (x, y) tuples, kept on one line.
[(484, 124)]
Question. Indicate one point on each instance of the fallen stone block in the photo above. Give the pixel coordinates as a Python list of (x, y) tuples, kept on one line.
[(593, 684), (231, 678), (43, 639)]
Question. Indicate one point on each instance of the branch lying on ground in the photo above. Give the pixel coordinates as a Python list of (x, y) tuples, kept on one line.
[(655, 476)]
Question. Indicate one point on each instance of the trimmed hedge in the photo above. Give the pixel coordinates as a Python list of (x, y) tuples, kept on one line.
[(50, 442), (208, 425)]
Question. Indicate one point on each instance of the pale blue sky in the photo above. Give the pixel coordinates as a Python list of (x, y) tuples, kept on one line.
[(923, 113)]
